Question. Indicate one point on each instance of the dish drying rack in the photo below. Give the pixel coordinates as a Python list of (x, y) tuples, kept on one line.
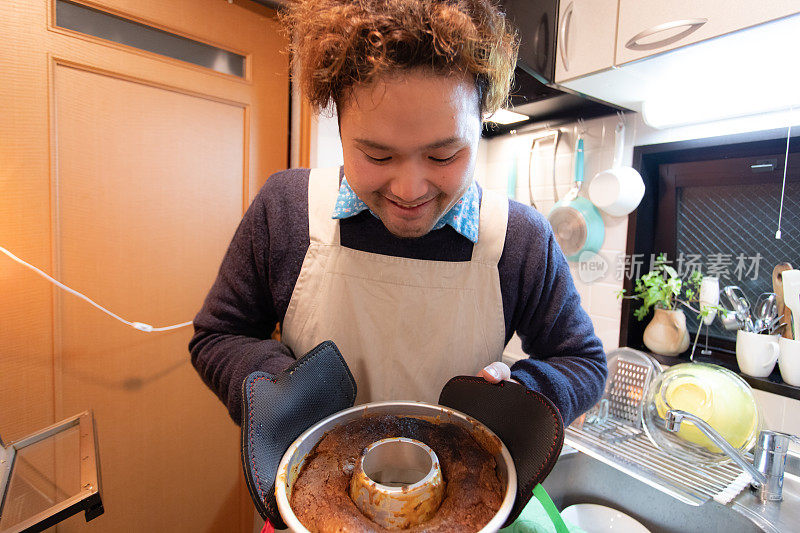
[(612, 433)]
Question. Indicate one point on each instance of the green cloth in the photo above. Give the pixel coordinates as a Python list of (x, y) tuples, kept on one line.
[(534, 519)]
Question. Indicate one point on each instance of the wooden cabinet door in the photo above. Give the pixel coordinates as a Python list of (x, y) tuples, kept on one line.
[(124, 173), (587, 31), (648, 27)]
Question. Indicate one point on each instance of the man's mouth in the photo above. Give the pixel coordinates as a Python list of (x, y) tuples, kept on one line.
[(409, 207)]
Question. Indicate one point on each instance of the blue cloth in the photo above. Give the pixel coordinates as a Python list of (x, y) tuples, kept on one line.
[(463, 217)]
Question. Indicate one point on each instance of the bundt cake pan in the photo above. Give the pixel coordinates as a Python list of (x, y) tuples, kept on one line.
[(292, 461)]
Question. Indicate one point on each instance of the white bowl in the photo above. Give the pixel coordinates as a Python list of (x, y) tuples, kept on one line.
[(594, 518)]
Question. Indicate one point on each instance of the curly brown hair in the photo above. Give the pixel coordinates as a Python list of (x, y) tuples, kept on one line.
[(338, 44)]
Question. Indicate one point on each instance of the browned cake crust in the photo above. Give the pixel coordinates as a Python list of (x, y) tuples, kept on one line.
[(472, 497)]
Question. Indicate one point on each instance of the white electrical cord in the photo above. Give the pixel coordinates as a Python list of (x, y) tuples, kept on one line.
[(785, 167), (141, 326)]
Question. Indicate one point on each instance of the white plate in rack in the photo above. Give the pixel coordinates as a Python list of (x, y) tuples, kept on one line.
[(594, 518)]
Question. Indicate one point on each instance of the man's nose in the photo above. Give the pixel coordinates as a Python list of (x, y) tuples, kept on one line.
[(409, 184)]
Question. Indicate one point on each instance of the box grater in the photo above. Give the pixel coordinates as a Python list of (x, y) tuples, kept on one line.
[(629, 374)]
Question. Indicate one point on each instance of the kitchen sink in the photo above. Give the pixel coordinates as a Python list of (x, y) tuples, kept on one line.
[(580, 478)]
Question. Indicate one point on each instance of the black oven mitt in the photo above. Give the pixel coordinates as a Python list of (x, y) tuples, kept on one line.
[(526, 421), (277, 409)]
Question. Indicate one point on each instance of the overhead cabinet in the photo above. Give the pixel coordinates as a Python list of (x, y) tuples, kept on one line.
[(587, 31), (595, 35), (680, 61), (648, 27)]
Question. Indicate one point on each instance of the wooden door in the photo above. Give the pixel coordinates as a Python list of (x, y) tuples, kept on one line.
[(124, 173)]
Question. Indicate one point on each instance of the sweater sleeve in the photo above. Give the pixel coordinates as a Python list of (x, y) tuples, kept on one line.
[(566, 361), (233, 328)]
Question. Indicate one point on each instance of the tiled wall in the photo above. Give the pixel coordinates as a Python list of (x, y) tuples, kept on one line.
[(533, 161), (496, 161), (780, 414)]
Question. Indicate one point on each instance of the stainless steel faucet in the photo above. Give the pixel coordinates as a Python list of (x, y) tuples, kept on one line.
[(769, 455)]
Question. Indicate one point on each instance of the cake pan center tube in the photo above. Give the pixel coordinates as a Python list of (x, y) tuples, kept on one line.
[(397, 483)]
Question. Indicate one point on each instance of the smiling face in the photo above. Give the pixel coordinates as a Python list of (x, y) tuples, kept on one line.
[(409, 144)]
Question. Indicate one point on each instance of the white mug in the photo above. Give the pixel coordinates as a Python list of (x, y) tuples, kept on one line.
[(756, 353), (789, 361)]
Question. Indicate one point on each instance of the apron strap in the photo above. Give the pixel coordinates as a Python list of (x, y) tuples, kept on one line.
[(492, 228), (323, 189)]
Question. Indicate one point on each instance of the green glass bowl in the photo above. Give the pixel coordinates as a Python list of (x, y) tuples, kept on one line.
[(715, 394)]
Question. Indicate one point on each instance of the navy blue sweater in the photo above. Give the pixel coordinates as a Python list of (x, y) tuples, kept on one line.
[(258, 274)]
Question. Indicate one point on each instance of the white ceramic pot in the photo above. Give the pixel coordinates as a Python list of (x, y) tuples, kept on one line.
[(666, 334)]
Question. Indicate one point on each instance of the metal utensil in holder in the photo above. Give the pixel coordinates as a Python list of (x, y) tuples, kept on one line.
[(629, 374), (740, 306), (766, 311)]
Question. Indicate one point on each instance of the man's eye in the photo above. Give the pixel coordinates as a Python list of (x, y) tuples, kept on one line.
[(442, 160), (378, 159)]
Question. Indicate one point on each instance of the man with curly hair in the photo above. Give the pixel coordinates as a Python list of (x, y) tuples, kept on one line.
[(399, 257)]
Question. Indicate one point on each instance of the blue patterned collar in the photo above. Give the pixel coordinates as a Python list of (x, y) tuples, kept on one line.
[(463, 217)]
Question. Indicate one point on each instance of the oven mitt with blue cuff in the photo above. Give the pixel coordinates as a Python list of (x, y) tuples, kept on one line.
[(526, 421), (278, 408)]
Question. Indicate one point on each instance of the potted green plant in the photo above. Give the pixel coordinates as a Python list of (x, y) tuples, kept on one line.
[(663, 290)]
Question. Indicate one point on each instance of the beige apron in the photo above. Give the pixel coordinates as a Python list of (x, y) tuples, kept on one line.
[(404, 326)]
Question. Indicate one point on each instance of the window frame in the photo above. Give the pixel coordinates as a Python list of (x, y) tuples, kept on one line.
[(652, 228)]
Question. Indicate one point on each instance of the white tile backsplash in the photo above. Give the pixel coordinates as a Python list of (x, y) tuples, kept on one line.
[(585, 292), (545, 206), (595, 161), (616, 229), (513, 351), (780, 414), (607, 329), (772, 408), (604, 301), (326, 147), (791, 419), (597, 294), (497, 175)]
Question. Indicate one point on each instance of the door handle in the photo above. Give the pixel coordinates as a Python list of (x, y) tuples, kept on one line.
[(563, 35), (692, 25), (541, 45)]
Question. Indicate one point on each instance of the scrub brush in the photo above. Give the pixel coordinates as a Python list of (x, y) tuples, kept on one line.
[(731, 491)]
